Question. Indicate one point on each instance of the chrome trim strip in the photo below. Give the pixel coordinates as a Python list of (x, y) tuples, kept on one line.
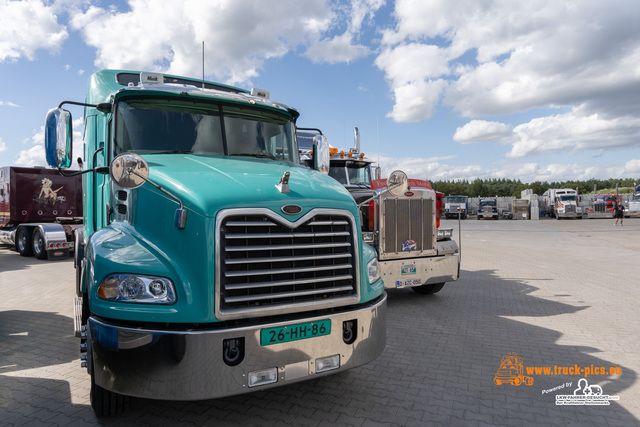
[(286, 294), (290, 282), (283, 236), (280, 259), (286, 270), (267, 248)]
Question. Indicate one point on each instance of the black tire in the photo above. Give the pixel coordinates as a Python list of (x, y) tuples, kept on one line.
[(106, 403), (24, 243), (39, 249), (428, 289)]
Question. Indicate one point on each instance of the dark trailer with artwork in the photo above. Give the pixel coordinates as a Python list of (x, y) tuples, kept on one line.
[(39, 211)]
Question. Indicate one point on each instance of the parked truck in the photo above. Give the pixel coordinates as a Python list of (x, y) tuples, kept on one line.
[(633, 207), (562, 203), (210, 263), (488, 208), (400, 220), (455, 206), (39, 211)]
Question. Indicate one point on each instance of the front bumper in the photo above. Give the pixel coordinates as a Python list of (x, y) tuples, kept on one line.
[(568, 214), (188, 365), (488, 214), (632, 213), (437, 269)]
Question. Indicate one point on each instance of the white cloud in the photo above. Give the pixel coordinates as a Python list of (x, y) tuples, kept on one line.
[(343, 47), (337, 49), (3, 146), (8, 104), (239, 35), (501, 57), (483, 131), (574, 131), (27, 26)]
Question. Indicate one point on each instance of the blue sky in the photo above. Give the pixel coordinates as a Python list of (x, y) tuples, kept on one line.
[(536, 90)]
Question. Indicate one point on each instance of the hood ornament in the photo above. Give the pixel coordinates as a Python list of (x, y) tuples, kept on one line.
[(283, 185)]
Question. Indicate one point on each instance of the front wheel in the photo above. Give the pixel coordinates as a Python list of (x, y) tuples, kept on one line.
[(106, 403), (39, 249), (428, 289)]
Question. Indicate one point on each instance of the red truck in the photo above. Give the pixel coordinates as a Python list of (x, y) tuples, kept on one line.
[(39, 211)]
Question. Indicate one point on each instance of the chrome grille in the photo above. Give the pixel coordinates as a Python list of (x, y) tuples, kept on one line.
[(570, 208), (405, 220), (267, 264)]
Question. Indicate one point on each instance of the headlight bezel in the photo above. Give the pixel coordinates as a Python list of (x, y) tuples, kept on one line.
[(150, 289), (373, 271)]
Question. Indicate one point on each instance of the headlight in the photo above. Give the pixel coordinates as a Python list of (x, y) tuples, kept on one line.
[(133, 288), (368, 237), (445, 233), (373, 270)]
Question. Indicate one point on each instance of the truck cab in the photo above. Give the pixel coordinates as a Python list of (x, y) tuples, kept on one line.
[(211, 262), (488, 208), (633, 207), (455, 206)]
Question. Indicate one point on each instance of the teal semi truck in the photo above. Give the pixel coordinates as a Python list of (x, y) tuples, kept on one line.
[(210, 262)]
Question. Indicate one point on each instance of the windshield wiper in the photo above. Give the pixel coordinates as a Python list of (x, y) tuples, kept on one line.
[(173, 152)]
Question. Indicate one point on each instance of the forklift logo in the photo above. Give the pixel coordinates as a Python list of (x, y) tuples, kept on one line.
[(47, 194), (512, 371)]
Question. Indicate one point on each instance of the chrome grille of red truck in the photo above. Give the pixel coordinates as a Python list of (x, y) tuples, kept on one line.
[(409, 229), (270, 265)]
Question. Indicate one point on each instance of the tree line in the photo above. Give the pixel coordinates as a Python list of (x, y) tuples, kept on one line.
[(513, 188)]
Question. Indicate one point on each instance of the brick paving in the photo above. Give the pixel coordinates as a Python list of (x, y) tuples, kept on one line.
[(556, 292)]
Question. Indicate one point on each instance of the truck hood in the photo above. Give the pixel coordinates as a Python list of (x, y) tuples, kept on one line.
[(205, 184)]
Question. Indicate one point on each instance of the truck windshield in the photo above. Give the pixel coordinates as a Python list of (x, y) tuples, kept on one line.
[(487, 203), (167, 126), (568, 198), (636, 196), (455, 199), (351, 173)]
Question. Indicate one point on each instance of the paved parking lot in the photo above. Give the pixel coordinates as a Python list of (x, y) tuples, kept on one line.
[(558, 293)]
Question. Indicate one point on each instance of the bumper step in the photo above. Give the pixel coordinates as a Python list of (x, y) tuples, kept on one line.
[(77, 316)]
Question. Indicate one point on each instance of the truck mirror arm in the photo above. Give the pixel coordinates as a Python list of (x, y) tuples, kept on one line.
[(386, 190), (103, 170), (180, 218), (103, 107)]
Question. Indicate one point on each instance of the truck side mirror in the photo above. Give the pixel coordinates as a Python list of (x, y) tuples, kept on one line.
[(398, 183), (321, 154), (129, 170), (58, 138)]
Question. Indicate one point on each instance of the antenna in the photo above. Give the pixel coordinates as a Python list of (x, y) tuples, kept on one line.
[(378, 138), (202, 64)]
